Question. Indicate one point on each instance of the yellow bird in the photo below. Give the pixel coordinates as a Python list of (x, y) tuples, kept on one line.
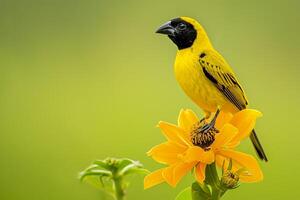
[(203, 73)]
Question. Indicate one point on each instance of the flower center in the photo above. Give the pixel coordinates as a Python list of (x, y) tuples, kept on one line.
[(201, 136), (230, 179)]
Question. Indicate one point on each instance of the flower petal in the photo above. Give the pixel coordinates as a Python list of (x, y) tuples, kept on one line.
[(193, 154), (187, 118), (226, 134), (220, 160), (166, 153), (200, 172), (196, 153), (174, 133), (244, 161), (173, 174), (168, 174), (181, 170), (245, 121), (222, 119), (153, 179)]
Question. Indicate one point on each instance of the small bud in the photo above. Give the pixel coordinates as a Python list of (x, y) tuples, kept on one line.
[(230, 179), (111, 161)]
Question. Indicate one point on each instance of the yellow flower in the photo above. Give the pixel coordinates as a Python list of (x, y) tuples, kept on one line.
[(187, 147)]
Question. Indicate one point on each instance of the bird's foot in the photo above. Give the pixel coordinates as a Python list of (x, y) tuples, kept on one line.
[(204, 119), (203, 134), (211, 125)]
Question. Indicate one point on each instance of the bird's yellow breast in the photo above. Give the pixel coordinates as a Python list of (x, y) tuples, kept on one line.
[(195, 84)]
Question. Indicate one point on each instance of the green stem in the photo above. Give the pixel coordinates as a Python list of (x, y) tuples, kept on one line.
[(216, 194), (119, 192), (211, 175), (200, 192), (213, 180)]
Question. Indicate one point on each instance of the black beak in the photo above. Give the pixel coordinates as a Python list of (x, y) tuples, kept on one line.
[(166, 29)]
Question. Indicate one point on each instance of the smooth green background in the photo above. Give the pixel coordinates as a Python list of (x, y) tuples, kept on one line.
[(86, 79)]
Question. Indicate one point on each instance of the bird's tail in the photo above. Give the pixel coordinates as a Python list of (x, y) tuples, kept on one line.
[(258, 148)]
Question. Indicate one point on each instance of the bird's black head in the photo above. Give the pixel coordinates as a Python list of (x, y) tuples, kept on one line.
[(182, 33)]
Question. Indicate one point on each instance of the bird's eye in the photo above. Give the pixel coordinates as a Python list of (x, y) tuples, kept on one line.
[(181, 26)]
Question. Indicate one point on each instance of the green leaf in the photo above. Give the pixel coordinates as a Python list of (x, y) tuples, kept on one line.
[(185, 194), (92, 167), (199, 192), (205, 188), (134, 167), (94, 172), (125, 162), (97, 182), (102, 164), (136, 171), (106, 187)]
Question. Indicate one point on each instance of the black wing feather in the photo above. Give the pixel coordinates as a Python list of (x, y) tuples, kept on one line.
[(223, 80), (228, 94)]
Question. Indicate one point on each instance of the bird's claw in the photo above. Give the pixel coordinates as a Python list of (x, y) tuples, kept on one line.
[(207, 127)]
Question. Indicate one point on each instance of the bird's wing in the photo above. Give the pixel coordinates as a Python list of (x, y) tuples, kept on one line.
[(220, 74)]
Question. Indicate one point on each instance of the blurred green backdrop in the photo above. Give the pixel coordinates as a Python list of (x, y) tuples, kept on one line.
[(86, 79)]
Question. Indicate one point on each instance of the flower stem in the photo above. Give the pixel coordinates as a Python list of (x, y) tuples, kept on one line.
[(213, 180), (119, 192), (216, 194), (212, 177)]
